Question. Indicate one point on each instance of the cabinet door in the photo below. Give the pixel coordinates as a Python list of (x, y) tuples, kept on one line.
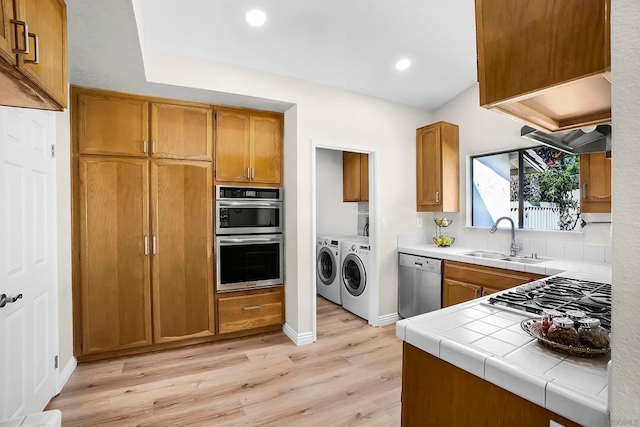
[(6, 31), (351, 174), (114, 230), (429, 168), (182, 250), (364, 177), (266, 149), (488, 291), (181, 132), (232, 146), (111, 124), (458, 292), (595, 183), (46, 63)]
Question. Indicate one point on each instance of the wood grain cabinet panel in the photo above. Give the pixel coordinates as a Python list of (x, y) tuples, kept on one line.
[(239, 313), (266, 149), (6, 31), (437, 168), (47, 20), (364, 177), (232, 146), (114, 225), (111, 124), (355, 177), (571, 38), (182, 250), (181, 132), (458, 292), (595, 183)]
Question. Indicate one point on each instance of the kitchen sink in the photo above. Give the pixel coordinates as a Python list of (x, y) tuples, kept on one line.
[(524, 260), (485, 254)]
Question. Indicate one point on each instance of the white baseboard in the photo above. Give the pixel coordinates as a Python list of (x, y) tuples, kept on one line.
[(298, 339), (65, 374), (388, 319)]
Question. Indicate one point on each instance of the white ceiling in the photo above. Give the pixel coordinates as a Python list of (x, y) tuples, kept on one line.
[(350, 44)]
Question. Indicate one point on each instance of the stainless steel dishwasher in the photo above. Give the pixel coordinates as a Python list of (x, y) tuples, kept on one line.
[(419, 285)]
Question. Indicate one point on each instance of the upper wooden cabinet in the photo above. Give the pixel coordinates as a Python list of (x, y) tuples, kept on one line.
[(181, 132), (545, 62), (114, 254), (182, 251), (248, 146), (355, 177), (595, 183), (112, 124), (33, 65), (438, 168)]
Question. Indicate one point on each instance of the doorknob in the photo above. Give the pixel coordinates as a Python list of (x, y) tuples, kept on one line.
[(4, 299)]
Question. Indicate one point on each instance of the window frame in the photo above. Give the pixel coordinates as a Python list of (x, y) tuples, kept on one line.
[(520, 151)]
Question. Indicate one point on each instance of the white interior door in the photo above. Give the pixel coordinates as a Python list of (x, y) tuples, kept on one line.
[(27, 261)]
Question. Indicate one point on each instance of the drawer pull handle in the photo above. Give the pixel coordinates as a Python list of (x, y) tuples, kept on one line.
[(251, 307), (25, 27), (36, 55)]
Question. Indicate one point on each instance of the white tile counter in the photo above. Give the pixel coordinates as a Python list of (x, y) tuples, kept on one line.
[(489, 343)]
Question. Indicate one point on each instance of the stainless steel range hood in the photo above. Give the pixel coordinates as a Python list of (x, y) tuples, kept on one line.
[(573, 142)]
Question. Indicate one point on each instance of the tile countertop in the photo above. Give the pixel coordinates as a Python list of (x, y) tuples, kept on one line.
[(489, 343)]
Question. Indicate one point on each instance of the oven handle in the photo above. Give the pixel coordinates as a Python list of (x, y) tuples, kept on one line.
[(250, 204), (251, 240)]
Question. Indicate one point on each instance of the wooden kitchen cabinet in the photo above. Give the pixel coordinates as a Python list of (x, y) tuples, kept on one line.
[(181, 132), (110, 123), (437, 393), (355, 177), (464, 282), (455, 292), (240, 311), (114, 237), (248, 147), (6, 31), (438, 168), (595, 183), (546, 62), (182, 243), (33, 66)]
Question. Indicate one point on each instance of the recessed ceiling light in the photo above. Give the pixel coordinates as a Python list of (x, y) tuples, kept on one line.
[(255, 18), (403, 64)]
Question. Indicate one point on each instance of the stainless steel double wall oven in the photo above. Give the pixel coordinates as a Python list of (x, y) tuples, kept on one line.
[(249, 239)]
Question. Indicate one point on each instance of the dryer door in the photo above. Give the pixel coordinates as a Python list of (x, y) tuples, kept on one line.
[(354, 275), (326, 266)]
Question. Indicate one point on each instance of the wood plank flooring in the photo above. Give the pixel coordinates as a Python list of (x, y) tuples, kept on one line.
[(350, 376)]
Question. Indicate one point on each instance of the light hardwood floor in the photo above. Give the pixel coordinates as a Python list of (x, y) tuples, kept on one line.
[(350, 376)]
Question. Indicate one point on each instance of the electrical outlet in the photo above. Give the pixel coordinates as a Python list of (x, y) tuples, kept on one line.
[(385, 223), (419, 222)]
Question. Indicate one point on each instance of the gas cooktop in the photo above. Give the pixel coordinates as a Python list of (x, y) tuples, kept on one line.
[(560, 293)]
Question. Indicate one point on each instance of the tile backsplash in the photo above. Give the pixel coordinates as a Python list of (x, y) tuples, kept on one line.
[(502, 242)]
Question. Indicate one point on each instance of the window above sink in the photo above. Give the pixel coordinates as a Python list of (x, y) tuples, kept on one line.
[(536, 187)]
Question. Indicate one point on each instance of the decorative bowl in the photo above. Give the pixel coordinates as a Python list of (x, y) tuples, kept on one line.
[(444, 241), (534, 328), (442, 222)]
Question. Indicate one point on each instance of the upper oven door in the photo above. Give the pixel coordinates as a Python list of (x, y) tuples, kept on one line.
[(248, 217)]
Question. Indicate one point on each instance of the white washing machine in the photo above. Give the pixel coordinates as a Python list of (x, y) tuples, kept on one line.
[(356, 276), (328, 268)]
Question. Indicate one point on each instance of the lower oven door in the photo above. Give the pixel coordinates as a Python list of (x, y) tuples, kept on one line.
[(249, 262)]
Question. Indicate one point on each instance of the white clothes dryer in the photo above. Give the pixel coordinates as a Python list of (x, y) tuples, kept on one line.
[(356, 276), (328, 274)]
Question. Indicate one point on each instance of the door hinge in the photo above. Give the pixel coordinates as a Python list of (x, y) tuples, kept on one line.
[(53, 150), (55, 362)]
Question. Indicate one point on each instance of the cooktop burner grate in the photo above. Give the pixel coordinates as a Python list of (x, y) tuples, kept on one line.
[(562, 294)]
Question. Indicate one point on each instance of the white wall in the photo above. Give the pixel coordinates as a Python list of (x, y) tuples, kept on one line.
[(333, 216), (624, 388), (326, 114), (63, 228), (484, 131)]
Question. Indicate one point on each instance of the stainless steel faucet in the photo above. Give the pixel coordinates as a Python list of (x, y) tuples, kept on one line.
[(514, 248)]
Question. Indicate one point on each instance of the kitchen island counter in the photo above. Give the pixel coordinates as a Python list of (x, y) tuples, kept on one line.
[(489, 343)]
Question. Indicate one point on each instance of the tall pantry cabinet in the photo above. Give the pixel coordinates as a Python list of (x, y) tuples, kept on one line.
[(142, 221)]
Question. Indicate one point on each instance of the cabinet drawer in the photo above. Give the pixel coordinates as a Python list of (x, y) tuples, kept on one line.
[(490, 277), (249, 311)]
